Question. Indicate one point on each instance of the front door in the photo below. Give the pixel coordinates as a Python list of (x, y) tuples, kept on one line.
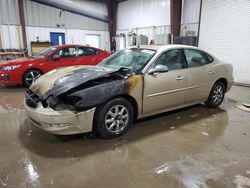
[(57, 38), (165, 90), (67, 58)]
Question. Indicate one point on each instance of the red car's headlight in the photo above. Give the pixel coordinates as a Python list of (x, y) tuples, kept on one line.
[(10, 68)]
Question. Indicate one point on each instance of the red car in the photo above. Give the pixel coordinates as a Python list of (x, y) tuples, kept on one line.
[(26, 70)]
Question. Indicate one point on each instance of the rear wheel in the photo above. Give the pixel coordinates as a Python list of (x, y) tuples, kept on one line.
[(216, 95), (113, 118), (30, 76)]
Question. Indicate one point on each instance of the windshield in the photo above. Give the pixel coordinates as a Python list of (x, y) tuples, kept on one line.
[(45, 52), (134, 59)]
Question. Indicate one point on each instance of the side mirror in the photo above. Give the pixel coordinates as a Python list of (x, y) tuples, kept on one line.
[(158, 68), (56, 57)]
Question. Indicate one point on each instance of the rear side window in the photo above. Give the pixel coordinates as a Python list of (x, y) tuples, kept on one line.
[(87, 52), (195, 58), (209, 57)]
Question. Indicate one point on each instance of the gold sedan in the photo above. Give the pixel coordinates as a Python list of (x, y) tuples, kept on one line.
[(133, 83)]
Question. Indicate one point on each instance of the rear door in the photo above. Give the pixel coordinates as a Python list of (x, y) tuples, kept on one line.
[(165, 90), (200, 75), (87, 56)]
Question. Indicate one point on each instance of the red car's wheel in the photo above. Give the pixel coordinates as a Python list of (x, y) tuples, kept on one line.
[(30, 76)]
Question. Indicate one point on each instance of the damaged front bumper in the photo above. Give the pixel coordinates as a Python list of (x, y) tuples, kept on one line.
[(61, 122)]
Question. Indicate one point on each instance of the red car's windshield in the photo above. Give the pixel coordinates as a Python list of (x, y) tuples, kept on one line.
[(44, 52)]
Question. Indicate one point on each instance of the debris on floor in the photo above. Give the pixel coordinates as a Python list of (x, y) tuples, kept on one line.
[(194, 115), (244, 107), (2, 110), (161, 169), (241, 181), (204, 133)]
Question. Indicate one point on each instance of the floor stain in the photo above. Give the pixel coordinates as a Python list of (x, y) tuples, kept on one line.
[(191, 147)]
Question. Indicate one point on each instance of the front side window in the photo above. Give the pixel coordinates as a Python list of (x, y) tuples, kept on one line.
[(66, 52), (172, 59), (195, 58), (87, 51), (134, 59)]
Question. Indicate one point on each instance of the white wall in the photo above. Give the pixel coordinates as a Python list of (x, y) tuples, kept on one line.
[(11, 36), (42, 19), (72, 36), (190, 11), (42, 15), (190, 16), (146, 17), (9, 24), (9, 13), (224, 31), (143, 13)]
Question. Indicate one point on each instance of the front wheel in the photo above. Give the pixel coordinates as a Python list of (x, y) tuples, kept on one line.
[(30, 76), (216, 95), (113, 118)]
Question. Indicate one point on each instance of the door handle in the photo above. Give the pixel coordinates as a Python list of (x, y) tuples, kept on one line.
[(211, 73), (180, 78)]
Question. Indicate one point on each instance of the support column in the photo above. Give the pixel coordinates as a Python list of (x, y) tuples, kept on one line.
[(112, 14), (175, 16), (22, 22)]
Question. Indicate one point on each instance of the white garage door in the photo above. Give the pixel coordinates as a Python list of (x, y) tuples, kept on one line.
[(225, 32), (93, 40)]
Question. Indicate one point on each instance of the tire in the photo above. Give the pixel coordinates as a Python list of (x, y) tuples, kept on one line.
[(114, 118), (30, 76), (216, 95)]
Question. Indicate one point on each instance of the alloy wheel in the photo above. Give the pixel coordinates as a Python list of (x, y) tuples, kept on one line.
[(218, 94), (117, 119), (31, 77)]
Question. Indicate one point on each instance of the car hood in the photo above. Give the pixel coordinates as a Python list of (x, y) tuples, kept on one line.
[(61, 80), (16, 61)]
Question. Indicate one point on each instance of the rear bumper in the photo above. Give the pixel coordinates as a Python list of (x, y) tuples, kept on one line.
[(61, 122)]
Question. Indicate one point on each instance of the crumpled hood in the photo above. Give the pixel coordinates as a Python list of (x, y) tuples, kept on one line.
[(61, 80)]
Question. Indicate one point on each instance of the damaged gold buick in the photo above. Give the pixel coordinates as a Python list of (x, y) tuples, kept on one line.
[(131, 84)]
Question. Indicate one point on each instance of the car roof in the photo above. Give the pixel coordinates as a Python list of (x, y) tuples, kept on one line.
[(164, 47), (72, 45)]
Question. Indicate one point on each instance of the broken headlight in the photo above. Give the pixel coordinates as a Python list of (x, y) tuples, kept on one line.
[(50, 101), (67, 102), (71, 100)]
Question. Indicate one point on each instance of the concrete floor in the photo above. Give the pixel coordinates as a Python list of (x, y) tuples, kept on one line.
[(192, 147)]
